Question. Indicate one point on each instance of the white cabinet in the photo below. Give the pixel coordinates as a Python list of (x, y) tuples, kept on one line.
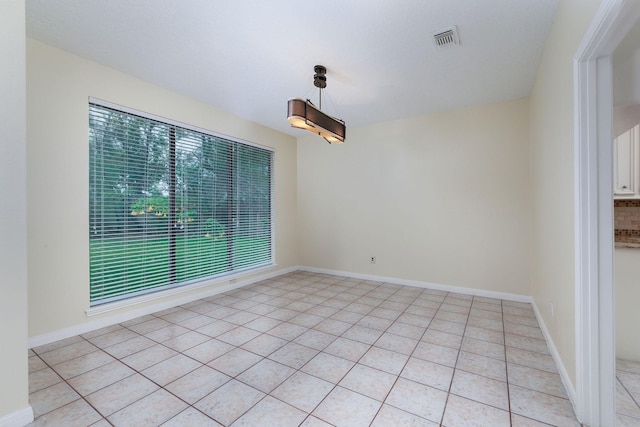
[(626, 164)]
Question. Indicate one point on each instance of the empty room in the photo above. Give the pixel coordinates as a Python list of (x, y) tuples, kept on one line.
[(346, 213)]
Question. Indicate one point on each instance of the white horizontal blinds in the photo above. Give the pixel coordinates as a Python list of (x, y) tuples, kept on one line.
[(252, 207), (203, 185), (170, 205), (128, 213)]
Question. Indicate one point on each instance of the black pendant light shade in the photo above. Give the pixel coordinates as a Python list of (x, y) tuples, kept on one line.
[(304, 115)]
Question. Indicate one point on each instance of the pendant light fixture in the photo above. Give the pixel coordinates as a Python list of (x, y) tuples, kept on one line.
[(304, 115)]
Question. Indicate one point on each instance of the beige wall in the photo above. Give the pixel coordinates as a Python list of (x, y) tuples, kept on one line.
[(627, 271), (553, 278), (14, 391), (59, 85), (626, 84), (625, 118), (441, 199)]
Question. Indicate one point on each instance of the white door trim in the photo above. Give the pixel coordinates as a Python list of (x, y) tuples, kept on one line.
[(593, 185)]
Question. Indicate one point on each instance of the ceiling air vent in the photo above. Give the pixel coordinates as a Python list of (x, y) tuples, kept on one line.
[(446, 38)]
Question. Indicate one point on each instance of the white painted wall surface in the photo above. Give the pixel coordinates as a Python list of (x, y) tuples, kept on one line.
[(14, 391), (626, 85), (552, 157), (59, 86), (441, 199), (625, 118), (627, 274)]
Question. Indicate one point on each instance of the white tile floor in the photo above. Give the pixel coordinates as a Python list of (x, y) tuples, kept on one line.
[(628, 393), (309, 349)]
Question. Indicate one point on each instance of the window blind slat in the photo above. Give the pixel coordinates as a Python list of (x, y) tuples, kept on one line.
[(170, 205)]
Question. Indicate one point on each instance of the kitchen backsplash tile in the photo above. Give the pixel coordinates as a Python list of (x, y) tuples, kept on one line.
[(626, 221)]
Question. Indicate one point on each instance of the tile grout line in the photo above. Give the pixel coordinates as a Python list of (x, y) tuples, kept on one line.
[(266, 357), (356, 363), (82, 397), (336, 384), (633, 399), (455, 365), (353, 299), (506, 363), (404, 365), (136, 371)]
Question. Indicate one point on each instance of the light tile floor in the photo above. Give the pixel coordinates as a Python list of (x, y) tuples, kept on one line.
[(309, 349), (628, 393)]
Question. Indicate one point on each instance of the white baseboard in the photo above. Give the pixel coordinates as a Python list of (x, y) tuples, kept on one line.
[(564, 376), (119, 317), (426, 285), (18, 418), (25, 416)]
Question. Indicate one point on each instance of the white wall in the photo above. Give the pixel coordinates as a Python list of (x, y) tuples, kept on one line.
[(14, 392), (58, 87), (627, 270), (626, 85), (553, 278), (625, 118), (441, 199)]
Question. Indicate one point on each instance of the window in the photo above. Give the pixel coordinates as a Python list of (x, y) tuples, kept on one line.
[(170, 205)]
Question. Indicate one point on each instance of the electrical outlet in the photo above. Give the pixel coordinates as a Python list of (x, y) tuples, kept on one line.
[(372, 260)]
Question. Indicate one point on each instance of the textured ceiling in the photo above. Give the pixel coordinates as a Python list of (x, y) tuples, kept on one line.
[(249, 57)]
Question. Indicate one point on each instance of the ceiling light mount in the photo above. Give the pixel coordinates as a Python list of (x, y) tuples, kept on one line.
[(319, 79), (303, 114)]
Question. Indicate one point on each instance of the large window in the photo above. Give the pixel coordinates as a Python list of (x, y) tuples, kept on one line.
[(170, 205)]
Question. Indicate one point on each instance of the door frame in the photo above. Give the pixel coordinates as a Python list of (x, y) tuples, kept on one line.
[(593, 196)]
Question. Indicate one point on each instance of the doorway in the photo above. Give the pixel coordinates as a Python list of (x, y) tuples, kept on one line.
[(593, 105)]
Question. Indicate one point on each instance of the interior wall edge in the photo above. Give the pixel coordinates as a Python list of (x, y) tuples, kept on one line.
[(123, 316), (425, 285), (21, 417), (119, 317), (213, 286), (562, 370)]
